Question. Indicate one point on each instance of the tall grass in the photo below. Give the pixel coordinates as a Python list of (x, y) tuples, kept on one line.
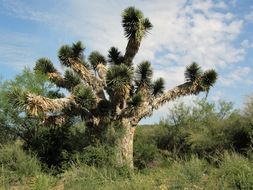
[(21, 170), (234, 172)]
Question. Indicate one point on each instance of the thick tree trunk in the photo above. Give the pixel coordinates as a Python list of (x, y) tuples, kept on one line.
[(124, 145)]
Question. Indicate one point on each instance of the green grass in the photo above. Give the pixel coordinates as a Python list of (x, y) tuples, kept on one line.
[(22, 171)]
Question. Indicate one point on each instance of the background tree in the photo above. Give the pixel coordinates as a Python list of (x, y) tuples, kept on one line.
[(53, 145), (115, 96), (12, 116)]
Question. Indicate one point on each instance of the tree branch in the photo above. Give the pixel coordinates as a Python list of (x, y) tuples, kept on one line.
[(185, 89), (132, 48), (57, 79), (96, 83), (86, 75), (101, 69), (57, 120), (36, 104)]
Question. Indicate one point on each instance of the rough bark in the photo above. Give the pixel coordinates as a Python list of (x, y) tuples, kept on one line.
[(124, 145), (132, 48)]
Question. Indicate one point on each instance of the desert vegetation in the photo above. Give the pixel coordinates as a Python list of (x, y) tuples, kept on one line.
[(81, 130)]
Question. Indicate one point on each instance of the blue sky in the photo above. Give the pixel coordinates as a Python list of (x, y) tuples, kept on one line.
[(215, 34)]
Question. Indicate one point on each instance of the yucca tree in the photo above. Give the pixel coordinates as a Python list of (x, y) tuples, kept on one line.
[(115, 93)]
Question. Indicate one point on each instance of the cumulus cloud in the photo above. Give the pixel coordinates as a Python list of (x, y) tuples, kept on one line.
[(21, 10), (249, 17), (238, 75), (217, 96), (184, 31), (16, 49)]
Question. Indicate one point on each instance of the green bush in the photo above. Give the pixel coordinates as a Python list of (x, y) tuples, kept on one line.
[(16, 163), (187, 174), (205, 129), (99, 156), (21, 170), (55, 146), (234, 172), (146, 153), (50, 144), (173, 139)]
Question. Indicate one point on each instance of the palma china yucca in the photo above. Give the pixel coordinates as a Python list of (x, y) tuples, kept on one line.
[(108, 92)]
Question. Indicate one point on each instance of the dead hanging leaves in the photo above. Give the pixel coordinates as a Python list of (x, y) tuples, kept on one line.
[(101, 69), (57, 79), (36, 104), (86, 75)]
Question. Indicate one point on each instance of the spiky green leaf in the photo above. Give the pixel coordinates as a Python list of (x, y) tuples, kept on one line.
[(77, 50), (119, 75), (44, 65), (144, 74), (64, 53), (147, 24), (134, 23), (136, 100), (158, 86), (192, 72), (71, 79), (95, 58), (209, 78), (115, 56), (84, 96), (17, 98)]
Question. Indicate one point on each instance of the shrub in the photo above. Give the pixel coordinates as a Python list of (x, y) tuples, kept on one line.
[(49, 144), (21, 170), (16, 163), (188, 174), (235, 172), (56, 145), (99, 156), (173, 139), (205, 129), (146, 153)]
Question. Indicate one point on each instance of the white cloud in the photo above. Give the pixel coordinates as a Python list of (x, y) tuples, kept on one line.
[(21, 10), (246, 44), (173, 75), (249, 17), (184, 31), (233, 2), (238, 75), (16, 49), (217, 96)]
